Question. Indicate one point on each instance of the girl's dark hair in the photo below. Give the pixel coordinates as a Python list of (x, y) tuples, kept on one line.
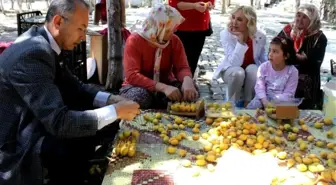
[(287, 46)]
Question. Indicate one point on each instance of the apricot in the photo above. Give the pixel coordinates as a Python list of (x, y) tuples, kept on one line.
[(304, 127), (173, 141), (301, 122), (318, 125), (201, 162), (211, 158), (282, 155), (330, 134), (328, 121), (182, 153), (209, 121), (290, 163), (302, 167), (171, 150), (195, 137), (186, 163), (261, 119), (195, 130), (310, 138)]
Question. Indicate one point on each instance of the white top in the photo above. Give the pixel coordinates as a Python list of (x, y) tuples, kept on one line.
[(234, 51)]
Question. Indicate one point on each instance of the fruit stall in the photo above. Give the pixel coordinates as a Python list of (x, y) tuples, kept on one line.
[(181, 146)]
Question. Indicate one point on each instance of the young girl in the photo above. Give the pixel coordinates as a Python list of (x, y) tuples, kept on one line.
[(277, 78)]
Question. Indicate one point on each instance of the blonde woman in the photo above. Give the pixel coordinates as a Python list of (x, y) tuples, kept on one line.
[(244, 48)]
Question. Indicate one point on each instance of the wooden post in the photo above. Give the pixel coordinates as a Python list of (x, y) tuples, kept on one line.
[(114, 53)]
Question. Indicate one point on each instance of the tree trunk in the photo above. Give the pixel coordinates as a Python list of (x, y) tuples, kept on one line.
[(297, 4), (47, 3), (19, 2), (257, 4), (28, 4), (328, 10), (92, 6), (114, 54), (2, 8), (252, 3), (12, 4), (224, 6)]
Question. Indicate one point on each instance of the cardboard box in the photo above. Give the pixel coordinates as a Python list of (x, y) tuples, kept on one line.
[(286, 112)]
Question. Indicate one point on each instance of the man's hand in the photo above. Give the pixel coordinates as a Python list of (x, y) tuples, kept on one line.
[(189, 91), (172, 93), (127, 110), (115, 99), (200, 6)]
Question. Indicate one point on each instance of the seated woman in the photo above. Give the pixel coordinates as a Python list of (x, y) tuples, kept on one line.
[(310, 44), (155, 63), (277, 78), (244, 48)]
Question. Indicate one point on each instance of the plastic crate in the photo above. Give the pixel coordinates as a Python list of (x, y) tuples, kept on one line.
[(28, 19)]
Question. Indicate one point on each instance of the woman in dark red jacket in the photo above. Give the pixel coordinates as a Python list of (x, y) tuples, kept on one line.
[(195, 28)]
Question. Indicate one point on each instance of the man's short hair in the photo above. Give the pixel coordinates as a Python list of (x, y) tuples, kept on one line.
[(62, 7)]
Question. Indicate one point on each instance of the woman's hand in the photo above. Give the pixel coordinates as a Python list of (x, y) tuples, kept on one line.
[(242, 38), (172, 93), (210, 6), (265, 102), (189, 91), (200, 6), (301, 56)]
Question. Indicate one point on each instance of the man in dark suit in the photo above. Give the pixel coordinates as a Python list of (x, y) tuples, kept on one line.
[(39, 126)]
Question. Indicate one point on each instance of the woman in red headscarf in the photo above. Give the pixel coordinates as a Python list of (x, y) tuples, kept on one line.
[(310, 44)]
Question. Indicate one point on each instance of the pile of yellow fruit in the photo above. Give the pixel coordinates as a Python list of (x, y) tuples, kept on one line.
[(255, 138), (126, 143), (270, 109), (219, 110), (177, 124), (260, 138), (183, 107), (219, 106)]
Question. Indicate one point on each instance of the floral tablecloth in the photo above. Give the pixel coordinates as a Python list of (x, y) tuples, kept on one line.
[(152, 165)]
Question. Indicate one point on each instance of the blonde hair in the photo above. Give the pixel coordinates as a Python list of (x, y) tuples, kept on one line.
[(251, 17)]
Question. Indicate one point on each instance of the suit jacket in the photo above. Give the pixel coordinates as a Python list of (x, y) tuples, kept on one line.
[(35, 93), (235, 52)]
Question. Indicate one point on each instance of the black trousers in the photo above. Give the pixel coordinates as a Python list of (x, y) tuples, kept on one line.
[(67, 160), (193, 42)]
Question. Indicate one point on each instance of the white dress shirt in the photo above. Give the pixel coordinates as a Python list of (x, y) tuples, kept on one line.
[(106, 114)]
